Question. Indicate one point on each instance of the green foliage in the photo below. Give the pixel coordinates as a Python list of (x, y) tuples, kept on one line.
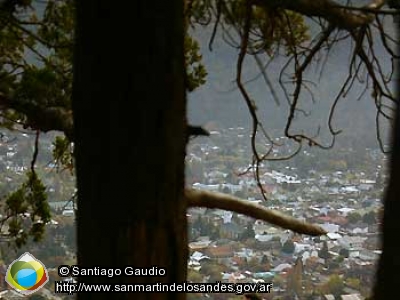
[(288, 247), (273, 25), (344, 252), (338, 164), (36, 60), (353, 283), (335, 285), (62, 152), (195, 70), (248, 233), (254, 265), (198, 11), (370, 218), (38, 84), (36, 47), (30, 198), (324, 252), (270, 28), (213, 270), (354, 217), (36, 50), (194, 276), (58, 27), (264, 260)]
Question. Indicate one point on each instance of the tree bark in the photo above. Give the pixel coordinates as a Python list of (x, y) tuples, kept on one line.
[(389, 263), (129, 114)]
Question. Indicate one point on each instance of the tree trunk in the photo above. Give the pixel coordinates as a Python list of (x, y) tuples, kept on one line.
[(129, 114), (389, 263)]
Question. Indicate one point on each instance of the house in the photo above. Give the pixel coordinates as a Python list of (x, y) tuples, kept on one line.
[(351, 297), (330, 227), (207, 187), (198, 256), (264, 237), (198, 245), (301, 247), (368, 255), (219, 253), (359, 230), (233, 277), (281, 268), (352, 241), (246, 253), (260, 227), (349, 189), (314, 189), (268, 276), (345, 211), (68, 213), (372, 243), (334, 236)]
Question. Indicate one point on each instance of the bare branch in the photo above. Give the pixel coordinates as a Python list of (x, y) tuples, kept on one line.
[(299, 70), (196, 198), (214, 32), (266, 79), (35, 152)]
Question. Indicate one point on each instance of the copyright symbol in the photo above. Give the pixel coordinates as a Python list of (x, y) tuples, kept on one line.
[(63, 271)]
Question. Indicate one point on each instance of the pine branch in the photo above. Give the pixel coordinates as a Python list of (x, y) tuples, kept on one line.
[(329, 10), (39, 117)]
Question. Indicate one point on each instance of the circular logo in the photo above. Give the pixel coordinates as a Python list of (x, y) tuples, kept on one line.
[(26, 274)]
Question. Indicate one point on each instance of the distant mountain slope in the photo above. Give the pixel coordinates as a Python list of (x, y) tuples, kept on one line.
[(220, 100)]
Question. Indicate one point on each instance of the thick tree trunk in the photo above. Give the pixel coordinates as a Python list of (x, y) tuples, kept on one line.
[(387, 277), (129, 115)]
